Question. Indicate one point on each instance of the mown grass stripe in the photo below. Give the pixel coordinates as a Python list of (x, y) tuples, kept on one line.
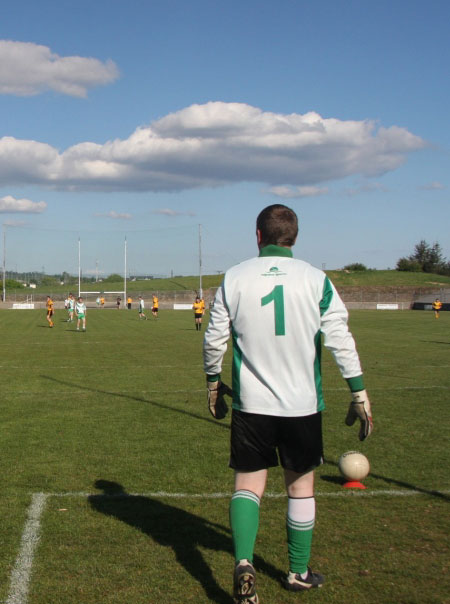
[(196, 390)]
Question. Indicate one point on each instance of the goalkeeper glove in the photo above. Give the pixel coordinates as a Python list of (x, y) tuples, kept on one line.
[(360, 409), (216, 402)]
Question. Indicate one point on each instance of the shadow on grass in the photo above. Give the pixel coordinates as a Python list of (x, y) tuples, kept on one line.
[(172, 527), (139, 399), (399, 483)]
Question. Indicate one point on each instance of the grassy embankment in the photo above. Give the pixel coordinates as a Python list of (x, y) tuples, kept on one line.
[(370, 278)]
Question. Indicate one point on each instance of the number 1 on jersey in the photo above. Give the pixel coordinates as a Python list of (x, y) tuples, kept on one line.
[(277, 297)]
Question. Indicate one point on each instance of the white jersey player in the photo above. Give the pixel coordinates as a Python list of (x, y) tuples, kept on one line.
[(80, 311), (141, 308), (276, 309)]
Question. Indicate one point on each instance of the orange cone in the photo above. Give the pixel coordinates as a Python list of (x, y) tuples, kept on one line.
[(354, 484)]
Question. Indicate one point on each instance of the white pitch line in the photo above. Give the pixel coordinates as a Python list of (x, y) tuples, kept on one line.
[(21, 573), (344, 493)]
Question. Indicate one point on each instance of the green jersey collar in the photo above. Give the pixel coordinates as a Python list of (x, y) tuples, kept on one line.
[(275, 250)]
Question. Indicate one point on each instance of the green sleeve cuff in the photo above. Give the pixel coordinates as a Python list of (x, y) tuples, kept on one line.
[(213, 378), (356, 383)]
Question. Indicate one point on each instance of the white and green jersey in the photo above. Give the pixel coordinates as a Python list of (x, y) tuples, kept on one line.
[(141, 306), (71, 303), (276, 309), (80, 308)]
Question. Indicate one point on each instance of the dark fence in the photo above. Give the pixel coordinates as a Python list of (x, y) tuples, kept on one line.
[(428, 306)]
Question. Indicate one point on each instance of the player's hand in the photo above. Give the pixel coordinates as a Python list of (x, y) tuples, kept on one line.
[(216, 398), (360, 409)]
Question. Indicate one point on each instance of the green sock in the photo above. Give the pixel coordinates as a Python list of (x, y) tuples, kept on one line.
[(300, 524), (244, 520)]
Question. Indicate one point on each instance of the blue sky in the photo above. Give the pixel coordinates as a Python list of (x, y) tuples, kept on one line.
[(146, 119)]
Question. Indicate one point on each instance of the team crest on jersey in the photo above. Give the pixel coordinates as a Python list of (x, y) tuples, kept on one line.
[(274, 271)]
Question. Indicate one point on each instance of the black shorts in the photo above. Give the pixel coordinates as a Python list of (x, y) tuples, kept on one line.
[(198, 315), (256, 439)]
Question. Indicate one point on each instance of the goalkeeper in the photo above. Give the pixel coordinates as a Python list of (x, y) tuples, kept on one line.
[(277, 309)]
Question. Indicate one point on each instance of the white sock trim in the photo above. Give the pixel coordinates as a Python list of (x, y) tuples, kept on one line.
[(243, 494), (301, 513)]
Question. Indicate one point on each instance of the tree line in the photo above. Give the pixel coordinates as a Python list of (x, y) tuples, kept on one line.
[(426, 258)]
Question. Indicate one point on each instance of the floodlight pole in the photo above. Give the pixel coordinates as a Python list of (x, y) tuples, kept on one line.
[(125, 274), (79, 267), (4, 263), (200, 259)]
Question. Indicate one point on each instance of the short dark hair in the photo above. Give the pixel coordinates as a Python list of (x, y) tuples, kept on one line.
[(278, 225)]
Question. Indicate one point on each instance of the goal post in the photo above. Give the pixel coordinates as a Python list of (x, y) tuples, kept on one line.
[(86, 258), (93, 298), (123, 293)]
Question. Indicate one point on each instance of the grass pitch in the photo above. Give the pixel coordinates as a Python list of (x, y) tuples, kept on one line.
[(107, 443)]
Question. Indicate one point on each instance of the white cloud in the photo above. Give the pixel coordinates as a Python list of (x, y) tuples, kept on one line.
[(115, 215), (27, 69), (169, 212), (371, 187), (11, 205), (14, 223), (298, 192), (433, 186), (213, 145)]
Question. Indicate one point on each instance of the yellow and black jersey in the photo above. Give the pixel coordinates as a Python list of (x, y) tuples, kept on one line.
[(199, 307), (437, 305), (49, 305)]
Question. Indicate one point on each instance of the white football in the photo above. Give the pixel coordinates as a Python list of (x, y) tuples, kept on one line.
[(354, 465)]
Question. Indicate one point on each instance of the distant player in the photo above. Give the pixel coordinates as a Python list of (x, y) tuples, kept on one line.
[(80, 310), (141, 308), (155, 306), (129, 301), (71, 307), (118, 301), (437, 305), (102, 302), (199, 311), (50, 311)]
